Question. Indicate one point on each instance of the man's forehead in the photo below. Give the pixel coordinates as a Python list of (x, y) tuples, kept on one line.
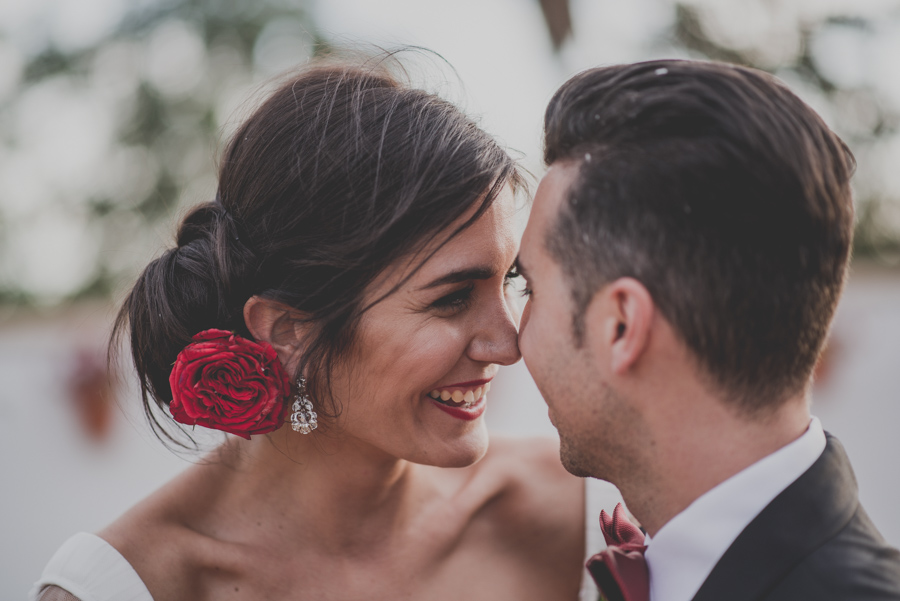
[(554, 187), (550, 195)]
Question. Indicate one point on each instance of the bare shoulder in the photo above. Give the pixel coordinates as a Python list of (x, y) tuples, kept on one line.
[(539, 513), (153, 548), (534, 480), (157, 538)]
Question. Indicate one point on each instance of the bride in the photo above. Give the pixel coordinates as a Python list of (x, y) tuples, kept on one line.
[(342, 307)]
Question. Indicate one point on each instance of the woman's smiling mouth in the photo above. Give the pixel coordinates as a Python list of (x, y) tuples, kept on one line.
[(465, 401), (460, 395)]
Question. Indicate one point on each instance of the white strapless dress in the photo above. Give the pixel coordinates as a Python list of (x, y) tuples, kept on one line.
[(92, 570)]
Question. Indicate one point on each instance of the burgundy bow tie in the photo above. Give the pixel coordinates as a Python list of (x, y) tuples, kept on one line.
[(620, 570)]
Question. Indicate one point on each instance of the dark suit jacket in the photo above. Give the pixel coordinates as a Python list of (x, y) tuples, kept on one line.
[(813, 542)]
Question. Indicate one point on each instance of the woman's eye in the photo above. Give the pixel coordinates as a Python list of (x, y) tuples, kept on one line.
[(458, 299)]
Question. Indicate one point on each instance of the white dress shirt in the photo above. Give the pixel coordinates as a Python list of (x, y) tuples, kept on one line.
[(685, 550)]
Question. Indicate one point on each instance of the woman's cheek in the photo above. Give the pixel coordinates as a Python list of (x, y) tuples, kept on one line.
[(442, 346)]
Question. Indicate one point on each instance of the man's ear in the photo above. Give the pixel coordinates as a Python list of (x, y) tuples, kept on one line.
[(621, 315), (276, 323)]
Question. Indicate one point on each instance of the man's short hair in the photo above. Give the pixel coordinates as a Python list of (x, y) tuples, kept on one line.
[(725, 195)]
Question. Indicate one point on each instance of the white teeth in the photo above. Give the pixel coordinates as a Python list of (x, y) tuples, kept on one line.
[(465, 398)]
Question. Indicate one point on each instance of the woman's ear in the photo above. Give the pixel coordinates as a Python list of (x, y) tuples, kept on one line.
[(276, 323)]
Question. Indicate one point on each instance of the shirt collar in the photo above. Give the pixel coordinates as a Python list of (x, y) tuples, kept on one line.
[(687, 548)]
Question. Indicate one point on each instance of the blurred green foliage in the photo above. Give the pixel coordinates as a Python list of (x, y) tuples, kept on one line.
[(169, 118), (171, 80), (860, 114)]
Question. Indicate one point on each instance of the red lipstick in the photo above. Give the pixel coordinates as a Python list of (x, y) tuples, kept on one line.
[(472, 384), (464, 413)]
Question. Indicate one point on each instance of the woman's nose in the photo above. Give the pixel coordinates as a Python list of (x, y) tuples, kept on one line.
[(497, 338)]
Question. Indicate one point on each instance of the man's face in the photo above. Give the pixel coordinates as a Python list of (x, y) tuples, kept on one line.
[(586, 411)]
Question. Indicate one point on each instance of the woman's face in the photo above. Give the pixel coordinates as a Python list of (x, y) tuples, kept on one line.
[(443, 333)]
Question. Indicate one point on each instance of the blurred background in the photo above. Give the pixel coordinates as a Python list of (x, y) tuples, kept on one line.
[(112, 113)]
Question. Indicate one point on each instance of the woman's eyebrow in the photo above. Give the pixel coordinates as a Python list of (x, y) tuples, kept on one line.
[(462, 275)]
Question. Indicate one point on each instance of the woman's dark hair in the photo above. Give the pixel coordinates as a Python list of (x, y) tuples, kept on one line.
[(343, 170)]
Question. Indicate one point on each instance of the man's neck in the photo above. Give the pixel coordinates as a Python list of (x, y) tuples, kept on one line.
[(703, 445)]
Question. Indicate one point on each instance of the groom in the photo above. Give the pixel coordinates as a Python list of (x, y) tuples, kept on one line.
[(684, 257)]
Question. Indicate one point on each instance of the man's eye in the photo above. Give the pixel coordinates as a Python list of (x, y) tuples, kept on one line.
[(458, 299), (514, 278)]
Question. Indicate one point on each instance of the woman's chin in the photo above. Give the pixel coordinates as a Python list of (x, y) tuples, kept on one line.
[(462, 452)]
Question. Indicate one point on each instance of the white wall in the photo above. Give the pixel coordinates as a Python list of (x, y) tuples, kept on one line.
[(859, 402), (55, 480)]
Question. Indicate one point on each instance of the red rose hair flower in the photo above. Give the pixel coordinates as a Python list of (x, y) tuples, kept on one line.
[(229, 383)]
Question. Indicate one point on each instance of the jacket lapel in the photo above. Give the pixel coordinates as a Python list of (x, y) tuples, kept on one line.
[(805, 515)]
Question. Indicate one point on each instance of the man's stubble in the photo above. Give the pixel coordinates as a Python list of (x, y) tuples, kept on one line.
[(605, 439), (600, 431)]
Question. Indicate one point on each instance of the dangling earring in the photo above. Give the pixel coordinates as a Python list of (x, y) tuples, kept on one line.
[(303, 418)]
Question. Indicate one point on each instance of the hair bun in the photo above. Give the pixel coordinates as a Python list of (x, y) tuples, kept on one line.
[(199, 285)]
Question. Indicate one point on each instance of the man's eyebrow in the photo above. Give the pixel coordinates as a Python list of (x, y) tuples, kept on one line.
[(462, 275)]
